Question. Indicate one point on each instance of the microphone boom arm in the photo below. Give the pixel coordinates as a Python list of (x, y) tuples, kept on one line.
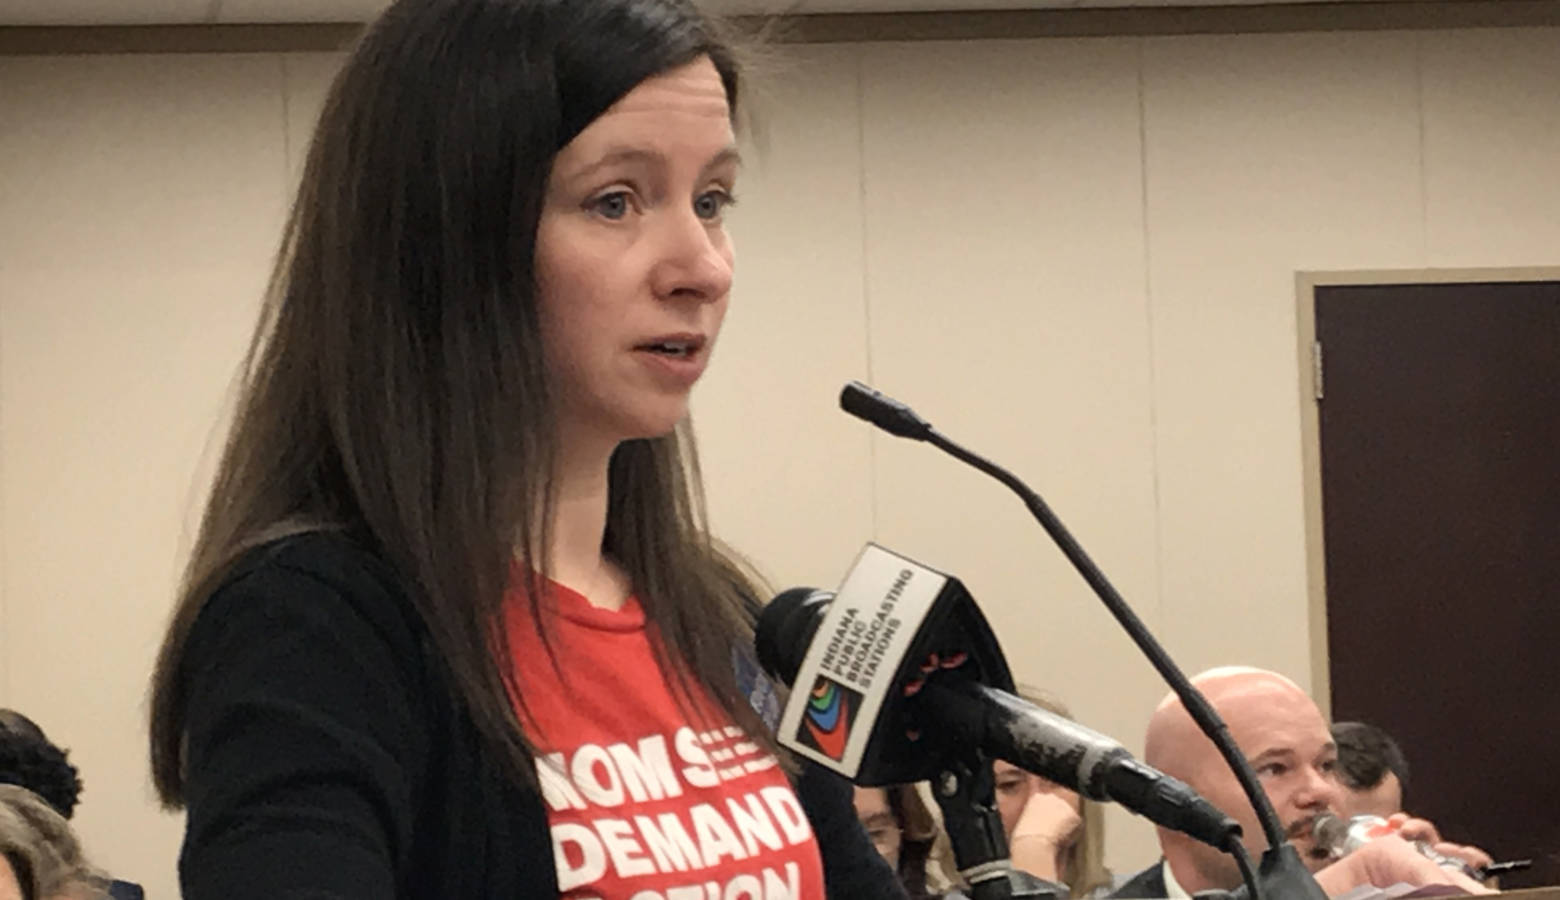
[(1201, 712), (1281, 870)]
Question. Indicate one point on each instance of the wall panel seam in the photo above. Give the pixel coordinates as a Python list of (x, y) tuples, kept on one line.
[(1148, 315), (866, 282)]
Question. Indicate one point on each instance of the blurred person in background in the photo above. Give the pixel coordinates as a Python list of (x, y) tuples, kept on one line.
[(40, 858), (903, 830), (28, 759), (1372, 769), (1052, 832)]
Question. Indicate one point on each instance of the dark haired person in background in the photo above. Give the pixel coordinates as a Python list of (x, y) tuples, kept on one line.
[(1372, 769), (453, 626), (1374, 776), (28, 759)]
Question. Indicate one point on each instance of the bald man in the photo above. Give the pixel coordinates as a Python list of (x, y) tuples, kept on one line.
[(1287, 742)]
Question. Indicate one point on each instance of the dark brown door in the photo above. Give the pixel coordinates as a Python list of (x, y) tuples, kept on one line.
[(1440, 436)]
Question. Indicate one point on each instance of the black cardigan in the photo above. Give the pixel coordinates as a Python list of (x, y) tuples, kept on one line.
[(328, 757)]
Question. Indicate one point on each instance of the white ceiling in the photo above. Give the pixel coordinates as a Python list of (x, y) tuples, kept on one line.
[(170, 12)]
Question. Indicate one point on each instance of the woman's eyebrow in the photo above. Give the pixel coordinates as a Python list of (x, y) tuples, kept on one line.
[(730, 155), (618, 156), (622, 155)]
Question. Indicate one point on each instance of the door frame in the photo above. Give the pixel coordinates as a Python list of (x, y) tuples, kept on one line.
[(1306, 284)]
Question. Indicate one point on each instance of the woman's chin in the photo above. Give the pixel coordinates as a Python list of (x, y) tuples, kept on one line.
[(650, 425)]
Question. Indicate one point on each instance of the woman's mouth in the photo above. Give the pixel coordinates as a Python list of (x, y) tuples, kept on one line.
[(676, 346), (671, 348), (677, 360)]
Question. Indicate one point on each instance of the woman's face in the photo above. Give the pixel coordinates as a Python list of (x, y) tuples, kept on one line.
[(632, 257), (1014, 787), (877, 817)]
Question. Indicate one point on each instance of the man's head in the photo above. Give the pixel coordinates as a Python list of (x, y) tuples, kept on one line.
[(1282, 734), (1371, 768)]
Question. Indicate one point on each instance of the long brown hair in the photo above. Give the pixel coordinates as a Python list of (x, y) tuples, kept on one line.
[(395, 386)]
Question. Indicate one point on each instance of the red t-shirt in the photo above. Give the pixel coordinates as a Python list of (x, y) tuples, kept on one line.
[(644, 803)]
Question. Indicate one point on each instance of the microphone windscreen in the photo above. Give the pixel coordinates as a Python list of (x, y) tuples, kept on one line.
[(786, 628), (884, 411), (859, 400)]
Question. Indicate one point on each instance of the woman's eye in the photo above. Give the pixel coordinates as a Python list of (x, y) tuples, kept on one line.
[(711, 204), (612, 206)]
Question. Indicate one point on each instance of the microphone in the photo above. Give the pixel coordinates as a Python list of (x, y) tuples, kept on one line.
[(883, 411), (893, 615), (1082, 759)]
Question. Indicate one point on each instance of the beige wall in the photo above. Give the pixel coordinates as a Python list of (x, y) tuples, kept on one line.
[(1076, 255)]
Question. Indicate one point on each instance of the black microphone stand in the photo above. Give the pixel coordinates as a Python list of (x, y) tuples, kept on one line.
[(1281, 874), (965, 791)]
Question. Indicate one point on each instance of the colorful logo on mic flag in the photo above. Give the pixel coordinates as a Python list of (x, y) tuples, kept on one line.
[(830, 713)]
